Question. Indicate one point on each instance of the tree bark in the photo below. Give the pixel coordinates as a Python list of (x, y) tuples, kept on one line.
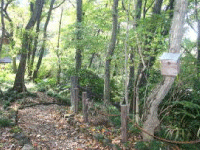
[(29, 41), (110, 52), (3, 26), (19, 84), (198, 41), (11, 40), (138, 9), (198, 50), (14, 64), (44, 41), (58, 49), (156, 11), (35, 45), (158, 95), (79, 36), (157, 6)]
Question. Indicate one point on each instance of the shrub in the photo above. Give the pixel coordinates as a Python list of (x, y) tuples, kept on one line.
[(6, 104), (16, 129), (89, 79), (4, 122)]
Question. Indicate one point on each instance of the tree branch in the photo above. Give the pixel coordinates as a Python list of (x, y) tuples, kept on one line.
[(6, 6), (72, 4), (59, 4), (149, 6), (188, 22)]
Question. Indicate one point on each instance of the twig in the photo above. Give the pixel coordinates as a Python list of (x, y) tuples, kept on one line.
[(59, 4)]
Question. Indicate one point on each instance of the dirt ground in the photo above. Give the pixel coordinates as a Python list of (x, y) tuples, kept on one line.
[(44, 127)]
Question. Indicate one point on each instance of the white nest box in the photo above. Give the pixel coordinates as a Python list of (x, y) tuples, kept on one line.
[(170, 64)]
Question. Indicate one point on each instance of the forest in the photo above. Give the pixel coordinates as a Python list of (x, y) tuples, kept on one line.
[(100, 74)]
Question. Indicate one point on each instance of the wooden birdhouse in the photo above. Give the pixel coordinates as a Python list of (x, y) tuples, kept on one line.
[(170, 64)]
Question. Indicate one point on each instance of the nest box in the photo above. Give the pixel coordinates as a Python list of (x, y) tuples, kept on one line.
[(5, 60), (170, 64)]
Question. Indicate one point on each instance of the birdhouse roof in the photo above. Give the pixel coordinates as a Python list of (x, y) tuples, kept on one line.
[(5, 60), (170, 56)]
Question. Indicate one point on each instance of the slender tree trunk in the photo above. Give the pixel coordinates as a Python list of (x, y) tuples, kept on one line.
[(138, 8), (79, 48), (3, 26), (157, 6), (19, 84), (198, 41), (110, 52), (35, 45), (91, 60), (156, 11), (29, 52), (131, 81), (11, 40), (14, 64), (58, 50), (93, 54), (158, 95), (198, 50), (44, 41)]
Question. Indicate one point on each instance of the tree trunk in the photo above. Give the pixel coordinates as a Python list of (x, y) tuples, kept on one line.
[(198, 50), (29, 52), (19, 84), (157, 6), (198, 41), (93, 54), (35, 45), (91, 60), (14, 64), (11, 40), (156, 11), (79, 36), (110, 52), (58, 50), (131, 81), (3, 26), (138, 9), (44, 41), (158, 95)]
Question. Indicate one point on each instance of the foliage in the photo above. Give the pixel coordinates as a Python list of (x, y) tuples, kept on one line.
[(4, 122), (181, 107), (16, 129), (155, 145), (47, 69), (45, 84), (88, 79)]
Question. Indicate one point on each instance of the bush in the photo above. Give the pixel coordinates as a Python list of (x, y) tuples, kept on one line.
[(45, 84), (16, 129), (6, 104), (89, 79), (50, 93), (5, 122)]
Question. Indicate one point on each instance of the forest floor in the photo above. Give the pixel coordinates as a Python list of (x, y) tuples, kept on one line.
[(49, 126)]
